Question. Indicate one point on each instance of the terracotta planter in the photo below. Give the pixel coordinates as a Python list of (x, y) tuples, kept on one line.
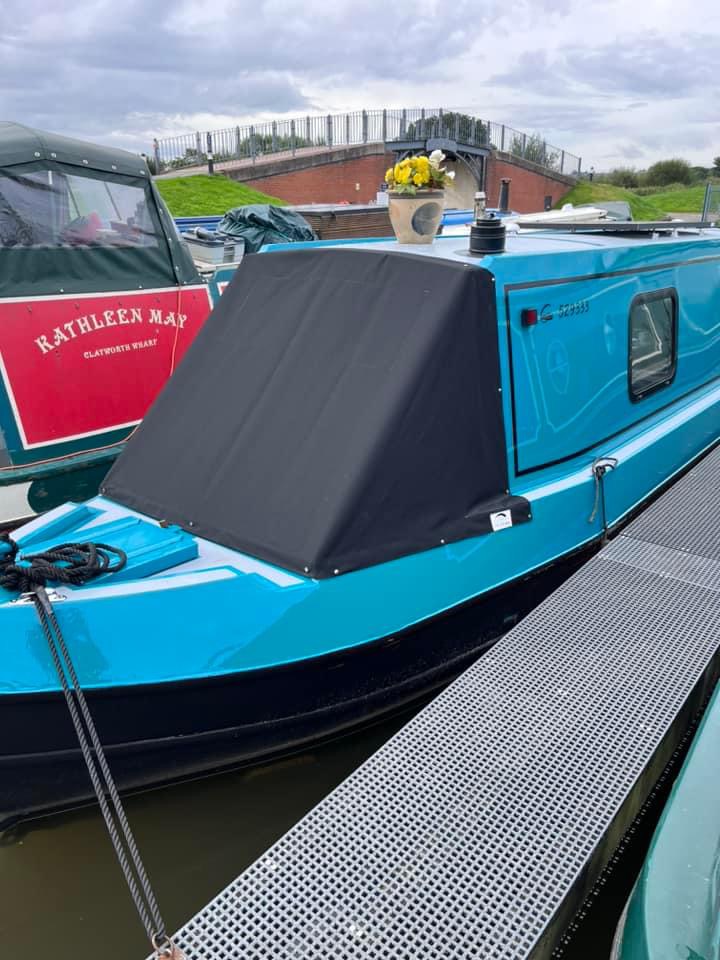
[(416, 219)]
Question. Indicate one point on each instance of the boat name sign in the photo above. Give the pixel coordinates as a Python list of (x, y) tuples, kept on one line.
[(137, 336), (80, 326)]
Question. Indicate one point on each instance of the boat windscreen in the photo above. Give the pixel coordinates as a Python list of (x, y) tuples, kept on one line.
[(340, 408), (48, 207), (61, 223)]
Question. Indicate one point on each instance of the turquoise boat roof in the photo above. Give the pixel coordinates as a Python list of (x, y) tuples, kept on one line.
[(537, 255)]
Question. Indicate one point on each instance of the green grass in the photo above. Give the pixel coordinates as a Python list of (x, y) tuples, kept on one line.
[(652, 207), (203, 195), (684, 200), (643, 208)]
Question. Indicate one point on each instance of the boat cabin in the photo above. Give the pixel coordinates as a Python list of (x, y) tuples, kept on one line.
[(98, 302), (405, 396)]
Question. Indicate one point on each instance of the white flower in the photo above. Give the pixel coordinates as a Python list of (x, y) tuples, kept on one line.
[(450, 174), (436, 158)]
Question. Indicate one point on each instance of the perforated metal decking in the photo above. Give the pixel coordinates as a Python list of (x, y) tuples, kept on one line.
[(476, 831)]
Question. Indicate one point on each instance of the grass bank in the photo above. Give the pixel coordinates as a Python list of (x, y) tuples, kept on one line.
[(643, 208), (684, 200), (651, 207), (203, 195)]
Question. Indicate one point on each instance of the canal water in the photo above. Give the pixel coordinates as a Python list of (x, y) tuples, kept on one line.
[(63, 896)]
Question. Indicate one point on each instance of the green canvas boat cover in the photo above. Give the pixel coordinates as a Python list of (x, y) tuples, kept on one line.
[(81, 218), (260, 223), (20, 144)]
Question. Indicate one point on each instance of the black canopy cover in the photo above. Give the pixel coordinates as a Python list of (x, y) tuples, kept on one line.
[(340, 408)]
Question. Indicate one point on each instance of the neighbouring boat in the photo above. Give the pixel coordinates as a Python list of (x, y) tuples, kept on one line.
[(674, 910), (372, 460), (459, 222), (98, 302)]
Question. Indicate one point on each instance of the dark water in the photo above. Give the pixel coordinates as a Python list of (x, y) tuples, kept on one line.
[(63, 897)]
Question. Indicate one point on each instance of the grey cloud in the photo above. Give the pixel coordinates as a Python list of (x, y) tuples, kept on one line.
[(651, 66), (566, 118), (143, 57), (629, 151), (130, 65), (121, 72)]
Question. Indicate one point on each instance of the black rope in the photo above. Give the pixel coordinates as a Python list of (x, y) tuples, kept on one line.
[(77, 563), (72, 563)]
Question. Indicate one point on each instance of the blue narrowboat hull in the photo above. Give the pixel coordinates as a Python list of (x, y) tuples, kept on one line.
[(198, 656), (166, 732)]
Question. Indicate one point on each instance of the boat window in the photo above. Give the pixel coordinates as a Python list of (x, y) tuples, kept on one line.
[(653, 342), (50, 208)]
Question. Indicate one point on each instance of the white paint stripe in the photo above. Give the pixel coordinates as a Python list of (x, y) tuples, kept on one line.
[(628, 448), (109, 590), (41, 521), (11, 398), (149, 585), (64, 439)]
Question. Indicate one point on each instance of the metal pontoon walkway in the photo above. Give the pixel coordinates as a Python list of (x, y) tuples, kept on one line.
[(464, 836)]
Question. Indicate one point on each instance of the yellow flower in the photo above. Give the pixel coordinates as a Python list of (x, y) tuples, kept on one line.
[(419, 171)]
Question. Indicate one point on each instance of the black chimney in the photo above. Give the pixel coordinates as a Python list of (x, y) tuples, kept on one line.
[(504, 203)]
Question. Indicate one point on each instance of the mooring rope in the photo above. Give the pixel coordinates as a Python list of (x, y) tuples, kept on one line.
[(599, 468), (73, 563), (76, 563)]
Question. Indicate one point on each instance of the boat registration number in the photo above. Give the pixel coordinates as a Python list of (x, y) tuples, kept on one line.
[(572, 309)]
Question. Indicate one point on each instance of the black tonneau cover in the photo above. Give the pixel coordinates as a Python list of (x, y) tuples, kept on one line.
[(340, 408)]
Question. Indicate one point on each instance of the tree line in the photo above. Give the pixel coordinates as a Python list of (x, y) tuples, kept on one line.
[(664, 173)]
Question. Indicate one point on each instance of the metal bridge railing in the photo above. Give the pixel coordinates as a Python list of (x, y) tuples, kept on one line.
[(313, 134)]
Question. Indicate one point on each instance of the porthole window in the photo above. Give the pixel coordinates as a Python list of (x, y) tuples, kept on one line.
[(653, 342)]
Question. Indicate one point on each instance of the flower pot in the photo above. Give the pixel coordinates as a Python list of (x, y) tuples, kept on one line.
[(415, 219)]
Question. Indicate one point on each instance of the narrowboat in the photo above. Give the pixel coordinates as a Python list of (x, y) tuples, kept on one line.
[(99, 300), (674, 909), (372, 460)]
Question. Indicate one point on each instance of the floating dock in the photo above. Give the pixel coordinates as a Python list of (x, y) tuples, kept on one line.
[(478, 830)]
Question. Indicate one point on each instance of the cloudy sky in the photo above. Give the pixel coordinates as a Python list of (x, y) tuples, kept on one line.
[(614, 81)]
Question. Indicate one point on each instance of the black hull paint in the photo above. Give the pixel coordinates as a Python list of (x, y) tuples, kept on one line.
[(163, 733)]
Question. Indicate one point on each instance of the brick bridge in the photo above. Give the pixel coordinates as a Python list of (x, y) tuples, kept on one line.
[(343, 158)]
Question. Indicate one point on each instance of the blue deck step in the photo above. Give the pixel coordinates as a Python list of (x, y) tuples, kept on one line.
[(149, 547)]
